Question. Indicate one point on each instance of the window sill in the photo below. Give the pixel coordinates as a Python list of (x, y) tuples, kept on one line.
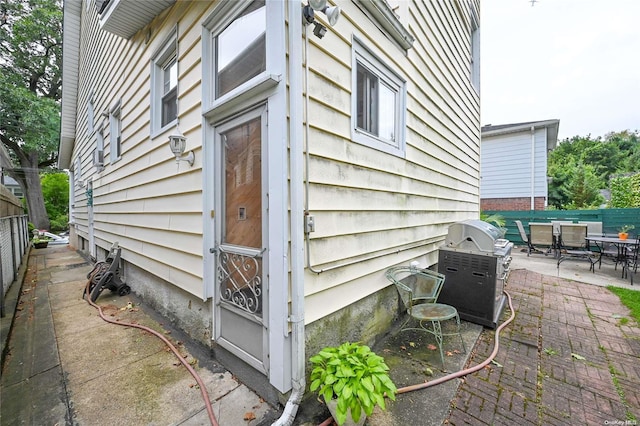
[(231, 102)]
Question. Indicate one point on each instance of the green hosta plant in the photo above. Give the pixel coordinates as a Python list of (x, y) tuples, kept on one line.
[(353, 375)]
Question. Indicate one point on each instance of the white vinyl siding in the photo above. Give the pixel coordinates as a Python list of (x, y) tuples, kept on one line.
[(506, 165), (152, 209), (373, 210)]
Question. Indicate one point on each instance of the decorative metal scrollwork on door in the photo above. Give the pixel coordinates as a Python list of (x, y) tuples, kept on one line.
[(240, 278)]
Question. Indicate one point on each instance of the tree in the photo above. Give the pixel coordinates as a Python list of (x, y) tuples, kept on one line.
[(30, 82), (55, 189), (581, 166)]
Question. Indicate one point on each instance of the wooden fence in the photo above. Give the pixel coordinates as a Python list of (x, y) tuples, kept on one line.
[(612, 219)]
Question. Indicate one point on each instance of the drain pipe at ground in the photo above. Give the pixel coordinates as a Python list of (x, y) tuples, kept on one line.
[(457, 374), (203, 389)]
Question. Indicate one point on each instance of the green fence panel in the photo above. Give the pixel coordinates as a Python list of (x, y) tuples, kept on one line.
[(612, 219)]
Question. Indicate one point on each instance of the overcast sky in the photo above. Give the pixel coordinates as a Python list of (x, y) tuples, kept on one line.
[(573, 60)]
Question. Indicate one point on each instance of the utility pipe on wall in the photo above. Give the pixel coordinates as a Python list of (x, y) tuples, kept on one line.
[(296, 318), (533, 164)]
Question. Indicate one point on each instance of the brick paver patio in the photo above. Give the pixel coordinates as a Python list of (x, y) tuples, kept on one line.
[(564, 360)]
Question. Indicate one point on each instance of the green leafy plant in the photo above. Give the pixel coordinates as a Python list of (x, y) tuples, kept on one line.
[(626, 228), (40, 240), (353, 375)]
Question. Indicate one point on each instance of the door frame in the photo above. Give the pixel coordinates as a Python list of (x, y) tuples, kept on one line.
[(270, 89)]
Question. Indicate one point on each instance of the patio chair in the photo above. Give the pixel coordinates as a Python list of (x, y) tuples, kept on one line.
[(632, 258), (526, 238), (541, 234), (419, 290), (572, 244), (593, 228)]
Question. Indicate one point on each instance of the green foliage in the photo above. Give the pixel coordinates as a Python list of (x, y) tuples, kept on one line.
[(55, 190), (581, 166), (626, 228), (629, 298), (625, 191), (30, 91), (355, 376), (495, 219)]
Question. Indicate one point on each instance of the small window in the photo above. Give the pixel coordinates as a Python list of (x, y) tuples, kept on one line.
[(170, 92), (90, 115), (475, 51), (164, 84), (115, 130), (240, 49), (378, 103)]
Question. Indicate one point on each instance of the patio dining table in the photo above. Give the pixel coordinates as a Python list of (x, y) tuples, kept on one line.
[(622, 256)]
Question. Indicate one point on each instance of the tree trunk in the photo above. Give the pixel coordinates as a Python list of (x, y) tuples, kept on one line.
[(33, 193)]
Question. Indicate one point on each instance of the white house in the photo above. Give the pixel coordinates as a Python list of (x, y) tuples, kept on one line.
[(513, 171), (318, 154)]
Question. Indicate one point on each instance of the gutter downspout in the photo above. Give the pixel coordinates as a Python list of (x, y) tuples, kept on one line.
[(533, 163), (296, 318)]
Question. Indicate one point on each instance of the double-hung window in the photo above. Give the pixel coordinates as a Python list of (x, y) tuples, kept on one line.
[(164, 84), (378, 108)]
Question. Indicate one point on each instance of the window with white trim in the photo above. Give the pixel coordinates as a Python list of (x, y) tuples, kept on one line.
[(90, 115), (239, 48), (164, 84), (115, 133), (475, 51), (378, 103)]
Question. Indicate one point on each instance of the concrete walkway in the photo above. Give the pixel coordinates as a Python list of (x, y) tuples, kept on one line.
[(66, 366), (567, 358)]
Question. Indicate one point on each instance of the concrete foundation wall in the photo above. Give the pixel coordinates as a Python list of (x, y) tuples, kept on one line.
[(365, 321), (184, 310)]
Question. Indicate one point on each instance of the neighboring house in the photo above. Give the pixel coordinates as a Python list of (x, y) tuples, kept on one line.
[(513, 171), (318, 163), (13, 186)]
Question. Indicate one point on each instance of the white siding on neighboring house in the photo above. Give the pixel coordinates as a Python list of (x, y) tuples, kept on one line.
[(506, 165), (373, 209), (514, 161)]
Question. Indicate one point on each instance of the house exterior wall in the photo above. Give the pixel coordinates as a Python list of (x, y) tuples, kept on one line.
[(372, 209), (506, 168), (375, 209), (142, 200)]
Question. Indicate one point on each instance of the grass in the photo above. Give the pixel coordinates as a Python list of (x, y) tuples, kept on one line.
[(630, 299)]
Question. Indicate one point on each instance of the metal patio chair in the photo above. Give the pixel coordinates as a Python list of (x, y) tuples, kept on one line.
[(573, 244), (419, 290)]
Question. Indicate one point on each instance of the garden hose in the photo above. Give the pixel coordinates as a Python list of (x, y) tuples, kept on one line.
[(457, 374), (203, 389)]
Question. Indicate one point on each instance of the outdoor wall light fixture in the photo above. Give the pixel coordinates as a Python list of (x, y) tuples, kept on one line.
[(178, 143), (308, 16)]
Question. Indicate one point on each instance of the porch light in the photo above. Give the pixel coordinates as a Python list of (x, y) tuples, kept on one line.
[(178, 144)]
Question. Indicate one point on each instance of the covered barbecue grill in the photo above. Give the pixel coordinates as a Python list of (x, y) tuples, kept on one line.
[(475, 260)]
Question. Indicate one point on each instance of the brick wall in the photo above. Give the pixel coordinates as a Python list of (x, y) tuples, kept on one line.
[(520, 203)]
